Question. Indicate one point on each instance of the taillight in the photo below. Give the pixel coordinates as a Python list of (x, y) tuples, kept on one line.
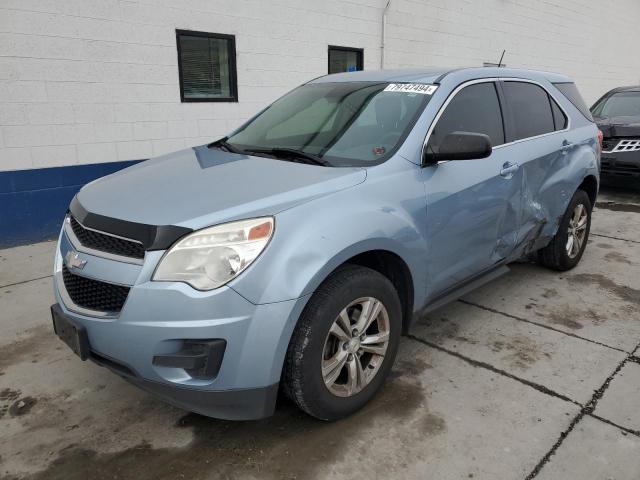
[(600, 138)]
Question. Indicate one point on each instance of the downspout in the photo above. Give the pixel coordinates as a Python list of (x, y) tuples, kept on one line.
[(382, 41)]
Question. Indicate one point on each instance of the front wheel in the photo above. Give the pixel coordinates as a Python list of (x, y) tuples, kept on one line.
[(344, 344), (567, 246)]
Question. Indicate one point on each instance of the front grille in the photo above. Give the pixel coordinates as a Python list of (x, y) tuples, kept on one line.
[(94, 294), (615, 145), (609, 144), (106, 243)]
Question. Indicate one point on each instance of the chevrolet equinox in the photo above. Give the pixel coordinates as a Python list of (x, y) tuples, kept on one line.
[(292, 254)]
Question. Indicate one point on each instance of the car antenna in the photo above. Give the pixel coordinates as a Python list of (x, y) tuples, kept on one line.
[(501, 57)]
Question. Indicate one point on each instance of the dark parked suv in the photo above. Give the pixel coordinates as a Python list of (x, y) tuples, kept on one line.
[(617, 114)]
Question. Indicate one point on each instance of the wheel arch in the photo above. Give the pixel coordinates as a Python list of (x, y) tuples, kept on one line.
[(590, 186), (386, 257), (394, 268), (381, 256)]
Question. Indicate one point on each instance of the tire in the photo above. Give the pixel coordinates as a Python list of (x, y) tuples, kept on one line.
[(312, 346), (556, 255)]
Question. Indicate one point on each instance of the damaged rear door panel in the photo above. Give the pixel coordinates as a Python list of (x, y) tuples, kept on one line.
[(549, 152)]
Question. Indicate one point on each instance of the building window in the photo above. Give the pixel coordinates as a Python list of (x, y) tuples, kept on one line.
[(207, 67), (344, 59)]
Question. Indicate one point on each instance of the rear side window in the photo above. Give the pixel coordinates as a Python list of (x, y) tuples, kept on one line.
[(530, 109), (474, 109), (570, 91), (559, 118)]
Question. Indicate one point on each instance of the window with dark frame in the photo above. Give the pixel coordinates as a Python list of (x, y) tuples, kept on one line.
[(345, 59), (559, 118), (207, 67), (476, 108), (530, 108)]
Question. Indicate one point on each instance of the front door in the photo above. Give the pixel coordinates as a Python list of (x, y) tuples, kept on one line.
[(473, 206)]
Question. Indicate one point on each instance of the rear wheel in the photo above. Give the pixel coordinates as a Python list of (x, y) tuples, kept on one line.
[(567, 246), (344, 344)]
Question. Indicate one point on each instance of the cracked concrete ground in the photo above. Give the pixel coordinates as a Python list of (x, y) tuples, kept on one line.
[(533, 376)]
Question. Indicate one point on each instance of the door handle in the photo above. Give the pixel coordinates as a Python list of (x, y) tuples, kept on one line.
[(566, 146), (508, 169)]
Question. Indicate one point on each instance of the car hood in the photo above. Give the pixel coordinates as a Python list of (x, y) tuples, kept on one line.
[(621, 126), (198, 187)]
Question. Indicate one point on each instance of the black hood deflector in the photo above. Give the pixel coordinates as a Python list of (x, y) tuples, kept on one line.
[(153, 237)]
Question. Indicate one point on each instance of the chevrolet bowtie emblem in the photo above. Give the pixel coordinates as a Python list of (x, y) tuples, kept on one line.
[(74, 261)]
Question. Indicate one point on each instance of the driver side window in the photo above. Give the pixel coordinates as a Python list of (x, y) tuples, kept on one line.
[(474, 109)]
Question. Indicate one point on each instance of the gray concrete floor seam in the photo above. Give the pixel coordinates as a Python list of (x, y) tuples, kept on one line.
[(488, 366), (25, 281), (613, 238), (542, 325), (585, 410), (614, 424)]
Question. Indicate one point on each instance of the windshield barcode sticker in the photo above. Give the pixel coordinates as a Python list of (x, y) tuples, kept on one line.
[(411, 88)]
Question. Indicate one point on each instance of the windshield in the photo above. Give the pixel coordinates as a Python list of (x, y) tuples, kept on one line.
[(618, 105), (343, 124)]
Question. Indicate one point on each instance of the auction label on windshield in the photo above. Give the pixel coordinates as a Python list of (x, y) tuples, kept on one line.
[(423, 88)]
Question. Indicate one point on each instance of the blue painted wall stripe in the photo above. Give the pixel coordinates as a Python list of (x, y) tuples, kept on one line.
[(33, 202)]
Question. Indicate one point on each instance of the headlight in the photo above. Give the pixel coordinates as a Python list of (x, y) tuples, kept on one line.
[(211, 257)]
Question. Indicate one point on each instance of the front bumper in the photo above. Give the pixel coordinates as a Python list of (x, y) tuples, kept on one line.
[(620, 165), (240, 404), (157, 319)]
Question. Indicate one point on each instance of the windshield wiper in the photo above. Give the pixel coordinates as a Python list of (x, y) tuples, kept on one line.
[(291, 153), (222, 143)]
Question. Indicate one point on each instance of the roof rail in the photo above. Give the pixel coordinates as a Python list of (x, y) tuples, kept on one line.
[(441, 77)]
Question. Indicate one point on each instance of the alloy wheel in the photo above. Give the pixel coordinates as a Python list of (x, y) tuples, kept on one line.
[(355, 346), (577, 230)]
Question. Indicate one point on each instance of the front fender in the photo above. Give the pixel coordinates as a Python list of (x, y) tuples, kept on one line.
[(312, 240)]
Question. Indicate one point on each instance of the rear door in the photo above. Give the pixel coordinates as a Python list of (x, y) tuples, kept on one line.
[(536, 130), (473, 206)]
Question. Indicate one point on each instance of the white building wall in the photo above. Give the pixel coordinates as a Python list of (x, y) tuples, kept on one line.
[(88, 81), (591, 41)]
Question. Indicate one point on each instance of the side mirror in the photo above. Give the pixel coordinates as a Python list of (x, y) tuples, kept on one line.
[(460, 146)]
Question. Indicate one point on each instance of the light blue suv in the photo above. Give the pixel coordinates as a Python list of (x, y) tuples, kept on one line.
[(292, 254)]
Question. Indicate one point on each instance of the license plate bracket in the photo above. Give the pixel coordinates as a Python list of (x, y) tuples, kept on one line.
[(70, 332)]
